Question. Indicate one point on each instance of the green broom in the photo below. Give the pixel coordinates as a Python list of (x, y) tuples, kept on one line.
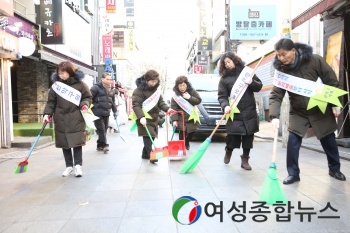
[(271, 191), (22, 166), (194, 159)]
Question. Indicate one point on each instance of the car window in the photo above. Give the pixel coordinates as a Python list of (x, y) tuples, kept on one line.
[(205, 83)]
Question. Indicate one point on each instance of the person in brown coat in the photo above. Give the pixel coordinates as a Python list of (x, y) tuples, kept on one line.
[(184, 89), (298, 60), (146, 92), (69, 122)]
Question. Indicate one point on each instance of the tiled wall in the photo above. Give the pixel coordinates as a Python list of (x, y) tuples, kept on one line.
[(33, 85)]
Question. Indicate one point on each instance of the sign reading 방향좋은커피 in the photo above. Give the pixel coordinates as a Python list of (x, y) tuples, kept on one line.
[(252, 22)]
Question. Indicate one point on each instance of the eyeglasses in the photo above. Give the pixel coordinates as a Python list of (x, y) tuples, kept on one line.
[(153, 81)]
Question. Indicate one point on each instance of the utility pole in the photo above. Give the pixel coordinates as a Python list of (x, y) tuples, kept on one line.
[(285, 8)]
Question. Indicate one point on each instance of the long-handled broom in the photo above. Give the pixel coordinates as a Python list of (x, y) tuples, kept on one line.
[(194, 159), (157, 153), (271, 191), (22, 166), (120, 133)]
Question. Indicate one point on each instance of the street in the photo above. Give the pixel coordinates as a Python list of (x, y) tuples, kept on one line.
[(120, 192)]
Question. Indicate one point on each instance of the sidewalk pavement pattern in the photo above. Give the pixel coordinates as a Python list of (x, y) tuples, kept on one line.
[(120, 192)]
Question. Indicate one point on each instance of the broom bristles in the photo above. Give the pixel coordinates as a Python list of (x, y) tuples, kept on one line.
[(21, 169), (271, 191), (194, 159)]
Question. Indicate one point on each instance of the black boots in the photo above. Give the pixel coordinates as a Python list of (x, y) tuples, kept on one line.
[(228, 155), (245, 165)]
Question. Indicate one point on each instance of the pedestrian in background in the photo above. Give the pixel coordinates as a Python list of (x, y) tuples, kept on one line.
[(103, 100), (147, 96), (298, 60), (241, 129), (65, 110), (184, 100)]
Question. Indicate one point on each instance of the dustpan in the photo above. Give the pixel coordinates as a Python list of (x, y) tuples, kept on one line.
[(157, 153), (177, 148)]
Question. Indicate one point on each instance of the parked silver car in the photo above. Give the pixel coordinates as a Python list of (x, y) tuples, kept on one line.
[(210, 111)]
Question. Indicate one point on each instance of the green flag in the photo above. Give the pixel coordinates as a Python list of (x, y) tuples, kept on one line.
[(324, 95), (194, 115)]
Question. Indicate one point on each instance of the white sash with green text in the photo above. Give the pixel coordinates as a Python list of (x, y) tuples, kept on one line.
[(295, 84), (151, 101), (240, 86), (66, 92), (184, 104)]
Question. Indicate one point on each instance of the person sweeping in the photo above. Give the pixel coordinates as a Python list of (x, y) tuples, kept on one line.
[(297, 66), (185, 99), (146, 103), (244, 121), (65, 107)]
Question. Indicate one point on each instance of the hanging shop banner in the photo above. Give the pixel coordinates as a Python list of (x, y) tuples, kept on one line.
[(111, 6), (131, 41), (333, 51), (202, 60), (197, 69), (130, 24), (118, 39), (106, 46), (252, 22), (128, 3), (50, 16), (205, 28), (129, 11)]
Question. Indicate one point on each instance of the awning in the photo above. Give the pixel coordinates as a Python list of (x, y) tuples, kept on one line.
[(316, 9), (56, 59)]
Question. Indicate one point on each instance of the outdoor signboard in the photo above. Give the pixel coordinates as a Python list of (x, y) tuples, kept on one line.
[(252, 22), (50, 15)]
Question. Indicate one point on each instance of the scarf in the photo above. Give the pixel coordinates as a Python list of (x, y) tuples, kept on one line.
[(107, 87)]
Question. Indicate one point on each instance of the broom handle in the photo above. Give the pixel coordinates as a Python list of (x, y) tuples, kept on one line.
[(174, 128), (274, 148), (150, 137), (36, 140), (240, 92)]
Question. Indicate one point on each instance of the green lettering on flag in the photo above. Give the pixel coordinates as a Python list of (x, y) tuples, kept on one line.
[(324, 95)]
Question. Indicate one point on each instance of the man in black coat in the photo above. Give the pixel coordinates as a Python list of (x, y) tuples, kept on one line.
[(103, 100)]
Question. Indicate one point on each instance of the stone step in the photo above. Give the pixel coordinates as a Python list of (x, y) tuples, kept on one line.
[(27, 142)]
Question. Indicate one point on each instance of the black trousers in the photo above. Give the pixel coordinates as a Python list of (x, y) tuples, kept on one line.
[(77, 155), (234, 141), (329, 146), (187, 135), (147, 147), (101, 130)]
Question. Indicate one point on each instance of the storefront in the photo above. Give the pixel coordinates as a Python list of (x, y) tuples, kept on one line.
[(335, 15), (8, 51)]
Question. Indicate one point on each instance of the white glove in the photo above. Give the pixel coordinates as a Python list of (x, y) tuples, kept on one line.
[(227, 110), (186, 95), (336, 111), (248, 80), (275, 123), (175, 124), (143, 121), (46, 118)]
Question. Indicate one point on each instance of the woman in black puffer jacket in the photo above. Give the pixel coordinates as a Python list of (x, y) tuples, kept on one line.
[(241, 130), (69, 122)]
